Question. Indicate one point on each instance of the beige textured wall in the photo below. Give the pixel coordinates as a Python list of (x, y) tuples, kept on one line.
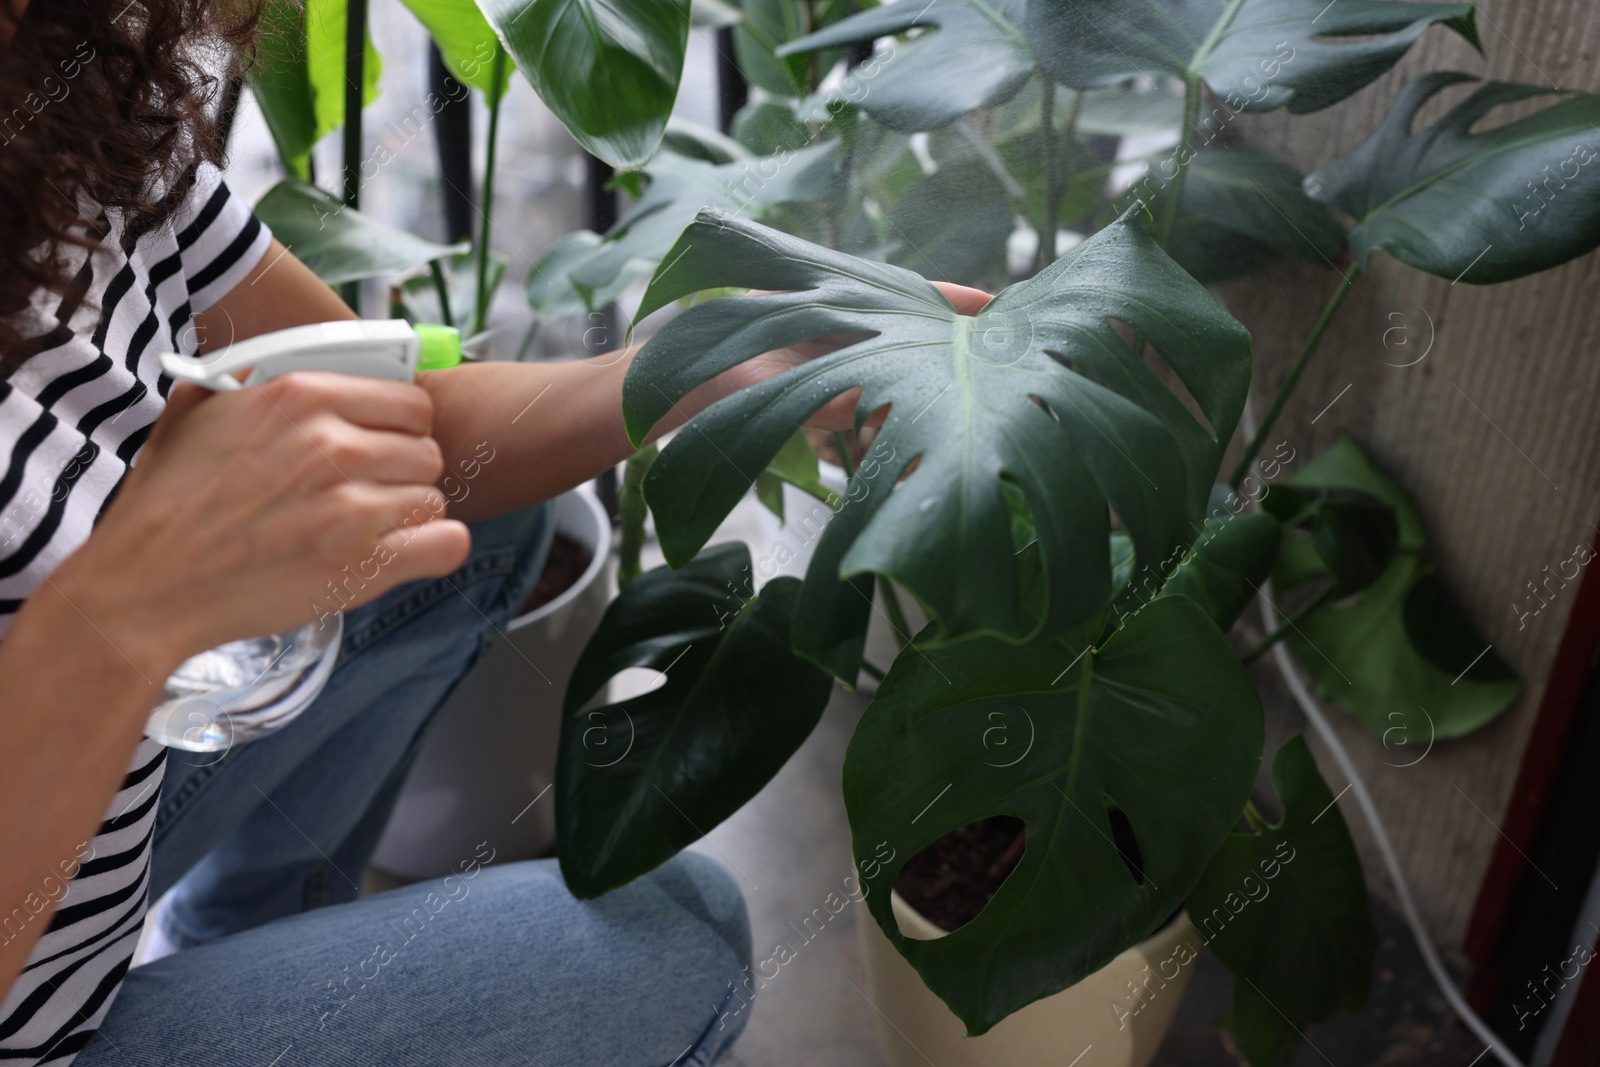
[(1496, 433)]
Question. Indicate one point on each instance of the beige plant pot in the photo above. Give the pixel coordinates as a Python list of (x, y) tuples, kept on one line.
[(1116, 1017)]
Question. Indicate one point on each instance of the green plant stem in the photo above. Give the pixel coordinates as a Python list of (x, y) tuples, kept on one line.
[(873, 669), (1289, 623), (1181, 155), (480, 313), (527, 340), (1052, 204), (1254, 447), (1253, 815), (355, 80), (631, 514), (897, 615), (439, 286), (842, 444)]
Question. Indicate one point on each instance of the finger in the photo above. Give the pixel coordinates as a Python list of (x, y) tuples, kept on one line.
[(966, 300), (429, 551), (375, 403), (353, 517), (381, 456)]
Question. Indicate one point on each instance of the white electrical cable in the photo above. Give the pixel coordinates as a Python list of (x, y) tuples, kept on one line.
[(1369, 810)]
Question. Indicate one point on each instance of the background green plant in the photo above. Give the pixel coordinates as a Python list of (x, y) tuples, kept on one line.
[(1061, 529)]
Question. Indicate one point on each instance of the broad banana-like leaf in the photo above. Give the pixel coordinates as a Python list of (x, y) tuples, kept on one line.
[(1473, 207), (679, 188), (694, 141), (766, 127), (1038, 389), (1128, 764), (339, 243), (551, 292), (639, 780), (1285, 908), (1401, 655), (465, 39), (609, 69), (766, 26), (971, 54), (281, 85), (325, 31), (1256, 55)]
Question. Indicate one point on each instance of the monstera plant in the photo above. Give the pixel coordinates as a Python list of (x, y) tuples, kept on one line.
[(1043, 476)]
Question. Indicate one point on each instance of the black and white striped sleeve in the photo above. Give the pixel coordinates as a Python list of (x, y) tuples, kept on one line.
[(219, 239)]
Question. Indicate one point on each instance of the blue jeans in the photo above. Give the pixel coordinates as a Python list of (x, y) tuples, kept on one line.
[(498, 964)]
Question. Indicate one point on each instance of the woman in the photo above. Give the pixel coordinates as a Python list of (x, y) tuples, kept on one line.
[(141, 524)]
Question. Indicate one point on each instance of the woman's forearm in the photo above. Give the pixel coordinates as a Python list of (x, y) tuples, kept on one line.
[(74, 694), (514, 434)]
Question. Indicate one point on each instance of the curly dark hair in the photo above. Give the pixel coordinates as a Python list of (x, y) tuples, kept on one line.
[(107, 102)]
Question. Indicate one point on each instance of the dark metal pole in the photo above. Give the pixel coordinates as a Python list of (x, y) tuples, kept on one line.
[(452, 135), (355, 79), (600, 204), (733, 92)]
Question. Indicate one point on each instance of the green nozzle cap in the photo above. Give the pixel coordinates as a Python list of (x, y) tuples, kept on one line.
[(441, 346)]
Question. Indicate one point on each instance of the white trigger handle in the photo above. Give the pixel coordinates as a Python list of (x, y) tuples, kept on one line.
[(381, 349)]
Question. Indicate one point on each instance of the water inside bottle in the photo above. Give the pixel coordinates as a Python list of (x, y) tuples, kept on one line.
[(238, 691)]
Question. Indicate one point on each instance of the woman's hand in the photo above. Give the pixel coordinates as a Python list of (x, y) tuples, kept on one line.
[(838, 413), (256, 511)]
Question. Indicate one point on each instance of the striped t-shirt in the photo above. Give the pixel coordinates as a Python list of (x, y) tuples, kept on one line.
[(72, 420)]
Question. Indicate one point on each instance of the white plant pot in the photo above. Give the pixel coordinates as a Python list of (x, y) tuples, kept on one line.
[(1116, 1017), (492, 749)]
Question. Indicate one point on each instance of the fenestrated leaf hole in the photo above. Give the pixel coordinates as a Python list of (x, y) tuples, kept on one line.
[(1127, 842), (1168, 377), (1027, 561), (631, 683), (950, 882)]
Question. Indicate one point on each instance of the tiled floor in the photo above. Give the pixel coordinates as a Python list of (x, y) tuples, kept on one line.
[(790, 848)]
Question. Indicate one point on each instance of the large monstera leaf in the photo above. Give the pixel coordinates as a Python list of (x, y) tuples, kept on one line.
[(970, 54), (1039, 390), (1239, 208), (1475, 207), (609, 69), (1152, 739), (639, 780), (1401, 655), (1221, 569), (1284, 907), (1257, 55)]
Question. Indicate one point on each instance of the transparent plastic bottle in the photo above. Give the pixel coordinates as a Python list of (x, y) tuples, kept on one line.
[(239, 691)]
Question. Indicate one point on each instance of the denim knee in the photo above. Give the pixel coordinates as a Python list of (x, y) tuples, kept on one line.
[(704, 888), (529, 533)]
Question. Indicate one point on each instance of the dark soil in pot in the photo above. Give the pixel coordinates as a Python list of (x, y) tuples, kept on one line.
[(951, 880), (568, 560)]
